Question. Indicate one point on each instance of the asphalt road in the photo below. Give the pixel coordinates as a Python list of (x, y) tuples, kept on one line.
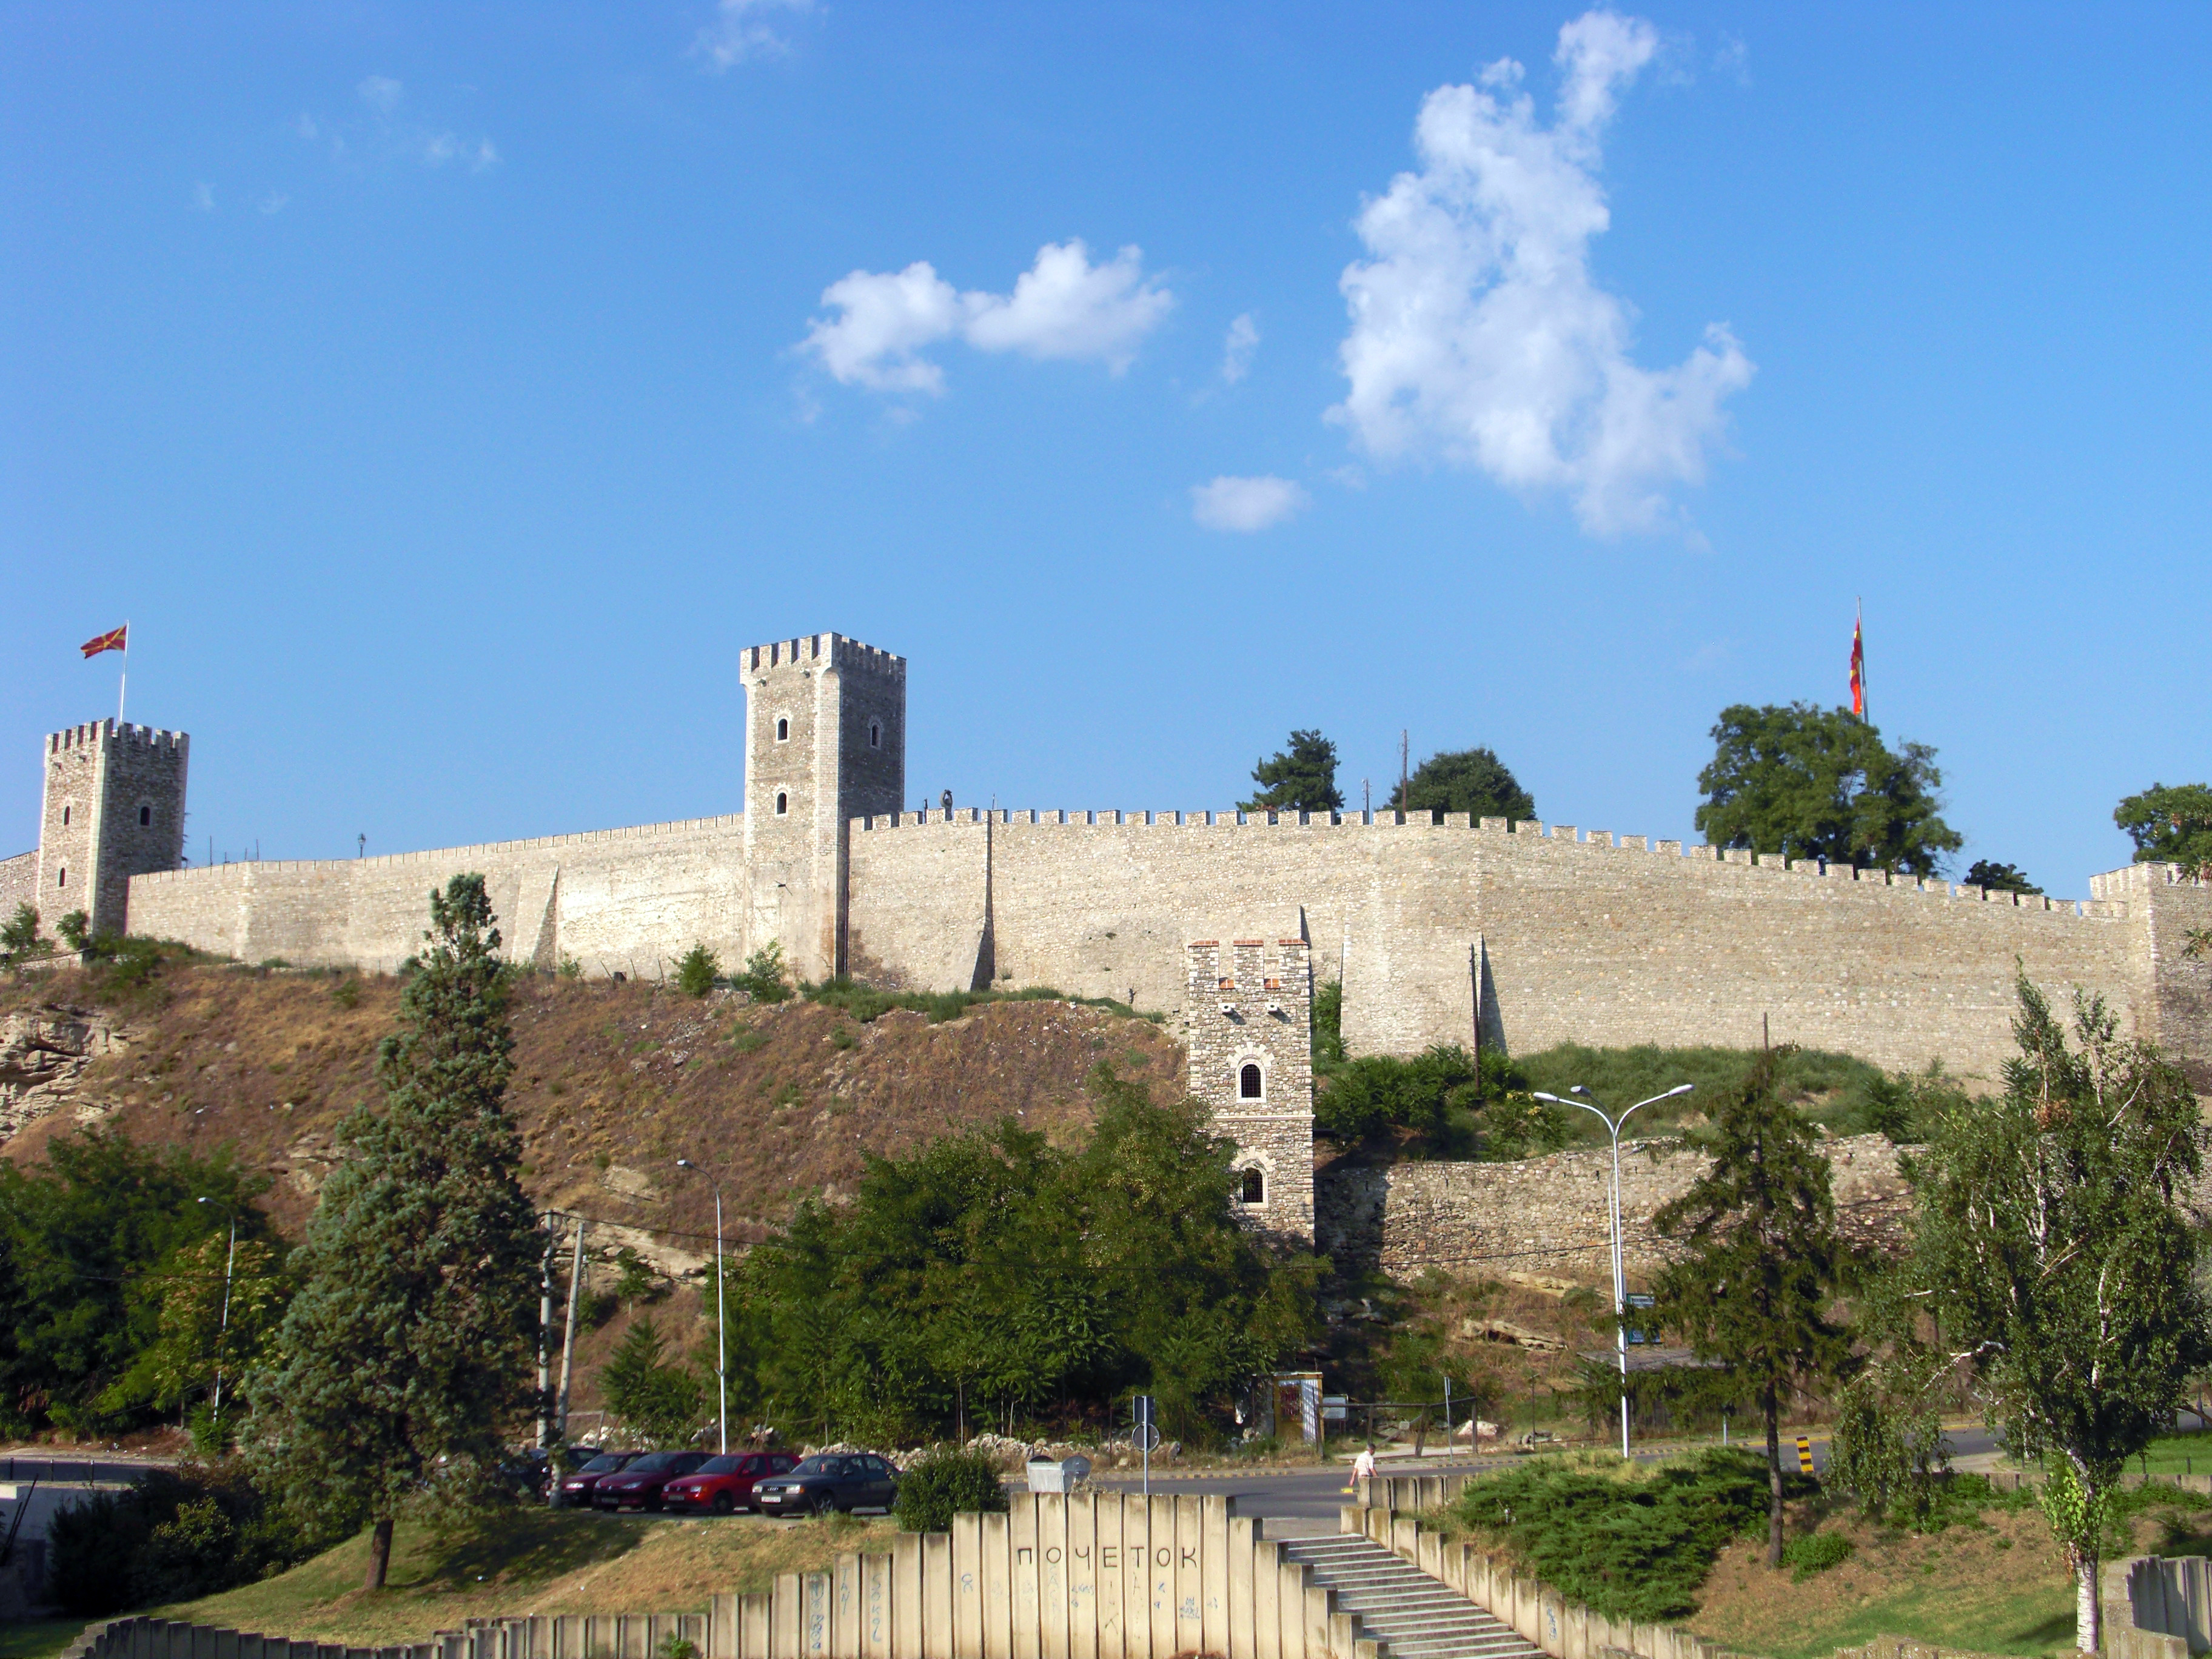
[(1316, 1495)]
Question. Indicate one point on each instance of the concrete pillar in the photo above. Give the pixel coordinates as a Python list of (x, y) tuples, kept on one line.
[(1025, 1581), (1214, 1573), (1266, 1600), (1085, 1609), (998, 1591), (1240, 1575)]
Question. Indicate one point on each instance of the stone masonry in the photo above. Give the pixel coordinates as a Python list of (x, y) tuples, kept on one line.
[(1545, 1218), (1248, 1024), (1438, 928)]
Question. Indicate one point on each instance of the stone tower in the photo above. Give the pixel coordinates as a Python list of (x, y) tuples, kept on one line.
[(114, 808), (825, 743), (1251, 1014)]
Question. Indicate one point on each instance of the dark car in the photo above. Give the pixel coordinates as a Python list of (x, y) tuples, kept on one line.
[(577, 1489), (638, 1487), (721, 1484), (833, 1480)]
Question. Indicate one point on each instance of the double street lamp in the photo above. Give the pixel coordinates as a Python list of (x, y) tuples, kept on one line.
[(1619, 1269), (721, 1371)]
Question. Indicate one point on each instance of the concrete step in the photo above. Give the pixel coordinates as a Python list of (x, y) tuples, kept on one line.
[(1411, 1614)]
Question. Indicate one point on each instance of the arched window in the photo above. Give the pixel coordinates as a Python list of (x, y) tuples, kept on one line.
[(875, 735), (783, 803), (1249, 1086), (782, 729), (63, 881), (65, 812), (145, 815), (1253, 1188)]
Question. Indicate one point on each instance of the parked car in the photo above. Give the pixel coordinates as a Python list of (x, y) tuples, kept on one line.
[(638, 1487), (527, 1471), (831, 1481), (576, 1488), (721, 1484)]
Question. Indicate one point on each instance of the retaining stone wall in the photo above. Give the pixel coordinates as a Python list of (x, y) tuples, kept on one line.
[(1547, 1216)]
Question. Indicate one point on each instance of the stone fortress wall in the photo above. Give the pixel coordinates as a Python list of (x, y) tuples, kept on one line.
[(1535, 935), (1601, 940)]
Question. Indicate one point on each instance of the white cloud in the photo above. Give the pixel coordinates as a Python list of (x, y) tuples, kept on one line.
[(204, 197), (1246, 504), (1478, 334), (1062, 306), (741, 30), (1236, 350), (887, 319), (272, 202), (381, 93), (306, 128), (1733, 58)]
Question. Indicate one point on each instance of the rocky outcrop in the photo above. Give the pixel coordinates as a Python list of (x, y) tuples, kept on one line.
[(44, 1054)]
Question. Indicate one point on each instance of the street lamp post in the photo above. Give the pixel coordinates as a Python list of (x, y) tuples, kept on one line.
[(1619, 1264), (721, 1372), (223, 1336)]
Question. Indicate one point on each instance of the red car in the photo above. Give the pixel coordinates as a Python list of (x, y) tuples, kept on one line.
[(721, 1484), (638, 1487), (577, 1489)]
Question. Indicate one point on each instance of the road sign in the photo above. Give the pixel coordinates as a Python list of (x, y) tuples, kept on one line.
[(1147, 1437), (1142, 1409), (1334, 1407), (1804, 1454)]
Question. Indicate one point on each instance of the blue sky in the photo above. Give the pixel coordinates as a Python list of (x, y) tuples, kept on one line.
[(445, 394)]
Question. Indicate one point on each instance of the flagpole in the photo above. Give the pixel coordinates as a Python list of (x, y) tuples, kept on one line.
[(122, 679)]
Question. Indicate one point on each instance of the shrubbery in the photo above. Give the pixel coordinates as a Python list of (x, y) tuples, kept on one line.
[(946, 1484), (1633, 1545), (696, 972), (174, 1537)]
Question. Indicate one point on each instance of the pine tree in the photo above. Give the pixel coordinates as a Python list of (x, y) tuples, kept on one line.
[(408, 1348), (1752, 1289), (1300, 778)]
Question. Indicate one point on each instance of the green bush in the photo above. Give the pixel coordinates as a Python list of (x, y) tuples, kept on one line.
[(75, 930), (175, 1536), (765, 978), (865, 1004), (698, 970), (1633, 1545), (1814, 1553), (20, 937), (946, 1484)]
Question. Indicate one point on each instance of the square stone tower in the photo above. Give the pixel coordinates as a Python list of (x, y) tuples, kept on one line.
[(825, 743), (1250, 1017), (114, 808)]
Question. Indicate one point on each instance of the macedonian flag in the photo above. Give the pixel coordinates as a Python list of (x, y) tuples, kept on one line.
[(1858, 669), (115, 640)]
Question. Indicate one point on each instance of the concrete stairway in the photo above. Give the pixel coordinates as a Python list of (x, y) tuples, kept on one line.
[(1413, 1616)]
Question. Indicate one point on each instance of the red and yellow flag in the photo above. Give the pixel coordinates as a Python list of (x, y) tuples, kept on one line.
[(1858, 668), (114, 639)]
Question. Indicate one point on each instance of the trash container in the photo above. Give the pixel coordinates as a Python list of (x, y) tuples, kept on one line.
[(1057, 1474)]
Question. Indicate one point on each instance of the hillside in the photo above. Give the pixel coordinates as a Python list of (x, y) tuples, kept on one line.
[(613, 1082)]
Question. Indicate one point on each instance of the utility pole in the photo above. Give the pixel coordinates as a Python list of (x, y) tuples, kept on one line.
[(569, 1340), (544, 1343)]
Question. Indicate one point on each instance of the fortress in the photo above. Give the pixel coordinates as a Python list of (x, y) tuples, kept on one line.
[(1441, 929)]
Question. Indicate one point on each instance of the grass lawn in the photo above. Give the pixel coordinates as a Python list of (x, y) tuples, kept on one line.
[(37, 1639), (1992, 1584), (528, 1561)]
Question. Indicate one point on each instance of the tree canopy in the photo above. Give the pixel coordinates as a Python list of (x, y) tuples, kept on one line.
[(407, 1351), (1995, 878), (993, 1272), (2170, 824), (1301, 778), (1465, 780), (2058, 1260), (1810, 782), (1753, 1286)]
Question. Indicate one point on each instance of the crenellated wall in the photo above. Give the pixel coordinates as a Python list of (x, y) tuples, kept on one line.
[(617, 901), (1600, 940)]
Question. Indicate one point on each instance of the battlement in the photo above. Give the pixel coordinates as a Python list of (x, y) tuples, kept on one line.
[(1550, 840), (822, 651), (105, 733), (729, 823)]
